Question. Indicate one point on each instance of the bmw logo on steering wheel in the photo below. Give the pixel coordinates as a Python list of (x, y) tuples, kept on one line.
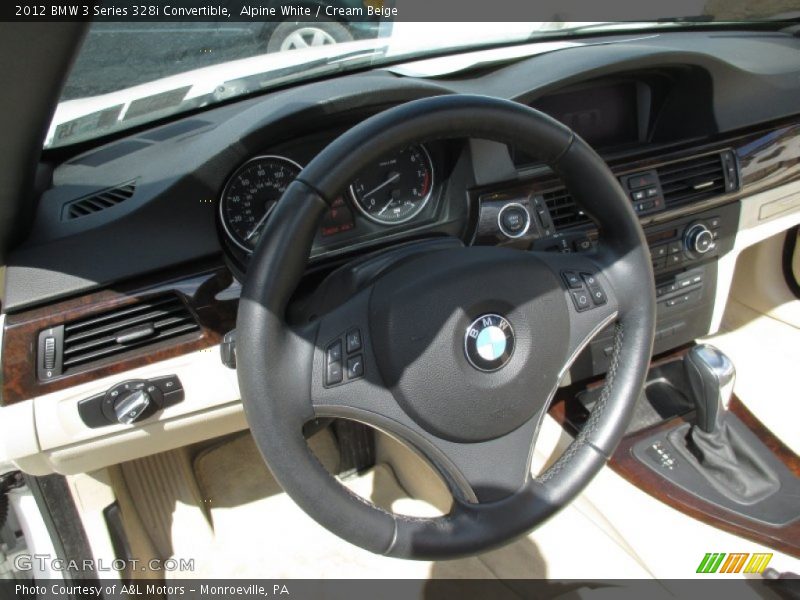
[(489, 342)]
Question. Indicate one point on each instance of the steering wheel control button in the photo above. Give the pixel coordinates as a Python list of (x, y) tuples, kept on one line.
[(334, 353), (572, 280), (355, 367), (343, 359), (489, 342), (590, 280), (333, 373), (513, 220), (581, 300), (595, 289), (598, 296), (353, 341)]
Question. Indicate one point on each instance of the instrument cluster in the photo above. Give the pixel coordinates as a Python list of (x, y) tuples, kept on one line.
[(395, 190)]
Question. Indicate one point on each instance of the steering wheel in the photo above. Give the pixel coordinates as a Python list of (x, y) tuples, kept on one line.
[(461, 349)]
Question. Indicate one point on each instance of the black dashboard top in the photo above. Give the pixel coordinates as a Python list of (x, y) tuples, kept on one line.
[(654, 91)]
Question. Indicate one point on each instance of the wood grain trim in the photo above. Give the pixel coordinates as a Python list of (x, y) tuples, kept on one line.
[(198, 285), (785, 539), (766, 154)]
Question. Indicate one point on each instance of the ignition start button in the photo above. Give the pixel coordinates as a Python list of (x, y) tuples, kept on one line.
[(513, 220)]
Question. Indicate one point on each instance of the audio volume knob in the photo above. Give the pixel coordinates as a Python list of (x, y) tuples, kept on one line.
[(131, 406), (699, 240)]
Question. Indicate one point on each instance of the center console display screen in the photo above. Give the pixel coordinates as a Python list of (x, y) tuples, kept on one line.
[(605, 116)]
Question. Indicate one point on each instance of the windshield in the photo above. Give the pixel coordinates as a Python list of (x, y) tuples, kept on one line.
[(134, 72)]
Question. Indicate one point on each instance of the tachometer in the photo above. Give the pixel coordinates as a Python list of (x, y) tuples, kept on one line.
[(250, 196), (396, 188)]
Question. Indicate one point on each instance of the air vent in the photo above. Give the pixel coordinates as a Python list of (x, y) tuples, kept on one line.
[(695, 179), (94, 203), (84, 342), (563, 210)]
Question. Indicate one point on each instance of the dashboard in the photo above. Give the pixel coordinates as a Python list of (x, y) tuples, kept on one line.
[(148, 235)]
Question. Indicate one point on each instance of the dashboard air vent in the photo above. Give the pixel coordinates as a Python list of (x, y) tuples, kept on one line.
[(697, 178), (98, 201), (563, 210), (134, 326)]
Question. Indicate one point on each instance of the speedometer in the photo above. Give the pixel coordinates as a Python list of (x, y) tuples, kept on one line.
[(250, 196), (396, 188)]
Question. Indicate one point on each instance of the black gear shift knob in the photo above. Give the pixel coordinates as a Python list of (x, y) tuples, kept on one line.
[(711, 376)]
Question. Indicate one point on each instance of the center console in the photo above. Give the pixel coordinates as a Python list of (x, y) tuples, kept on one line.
[(685, 246)]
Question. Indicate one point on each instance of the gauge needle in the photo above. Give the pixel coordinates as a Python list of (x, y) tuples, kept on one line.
[(260, 223), (384, 184), (387, 205)]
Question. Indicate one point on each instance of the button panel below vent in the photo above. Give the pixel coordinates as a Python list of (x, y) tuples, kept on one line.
[(81, 344)]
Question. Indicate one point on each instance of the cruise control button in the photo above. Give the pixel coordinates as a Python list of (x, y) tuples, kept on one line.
[(581, 300), (355, 367), (595, 290), (598, 295), (333, 373), (572, 280), (353, 341)]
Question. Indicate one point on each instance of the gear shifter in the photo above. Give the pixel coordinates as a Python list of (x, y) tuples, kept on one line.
[(717, 457), (711, 376), (722, 456)]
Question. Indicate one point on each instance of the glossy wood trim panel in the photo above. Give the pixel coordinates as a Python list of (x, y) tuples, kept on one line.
[(768, 156), (202, 286), (785, 539)]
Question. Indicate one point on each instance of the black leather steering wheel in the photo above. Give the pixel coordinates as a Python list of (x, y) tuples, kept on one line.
[(462, 348)]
